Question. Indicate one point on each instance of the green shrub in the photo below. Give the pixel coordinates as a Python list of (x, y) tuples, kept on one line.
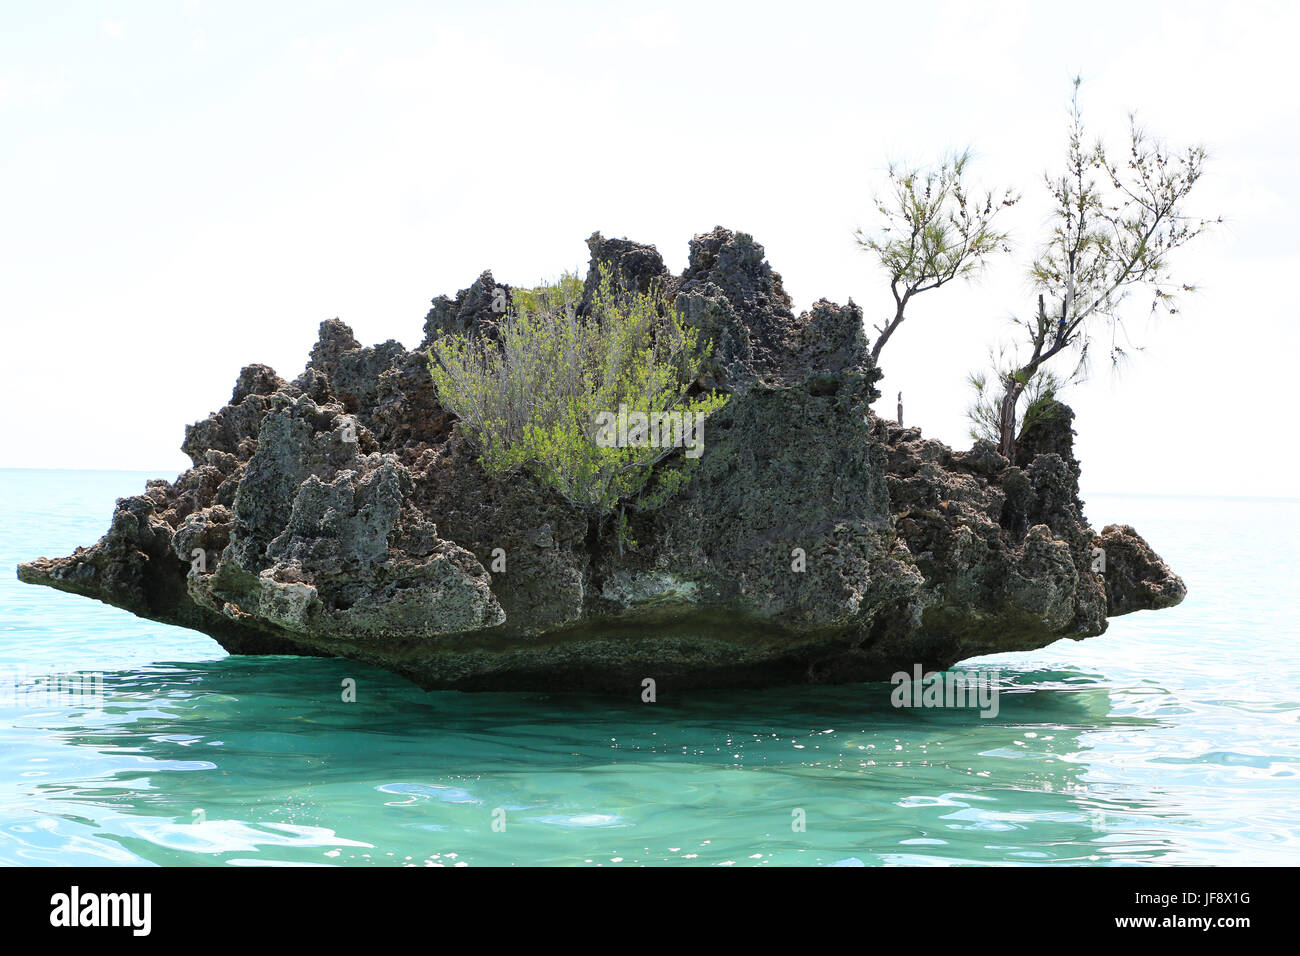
[(546, 395)]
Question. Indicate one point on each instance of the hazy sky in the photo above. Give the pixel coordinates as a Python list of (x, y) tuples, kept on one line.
[(188, 188)]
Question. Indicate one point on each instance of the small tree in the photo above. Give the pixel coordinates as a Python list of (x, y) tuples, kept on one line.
[(933, 232), (1108, 238), (536, 396), (985, 411)]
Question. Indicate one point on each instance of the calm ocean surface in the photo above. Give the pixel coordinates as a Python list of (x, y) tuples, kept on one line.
[(1172, 739)]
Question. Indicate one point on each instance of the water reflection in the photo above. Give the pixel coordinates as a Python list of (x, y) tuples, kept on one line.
[(255, 761)]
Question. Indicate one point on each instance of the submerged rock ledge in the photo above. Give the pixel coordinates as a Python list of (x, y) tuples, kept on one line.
[(340, 514)]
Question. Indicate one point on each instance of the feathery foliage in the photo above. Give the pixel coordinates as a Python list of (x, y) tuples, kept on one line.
[(533, 397), (933, 231), (1115, 224)]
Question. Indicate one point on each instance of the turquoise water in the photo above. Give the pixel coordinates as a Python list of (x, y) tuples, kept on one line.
[(1174, 738)]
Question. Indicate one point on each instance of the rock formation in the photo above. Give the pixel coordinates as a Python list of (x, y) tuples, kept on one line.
[(342, 514)]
